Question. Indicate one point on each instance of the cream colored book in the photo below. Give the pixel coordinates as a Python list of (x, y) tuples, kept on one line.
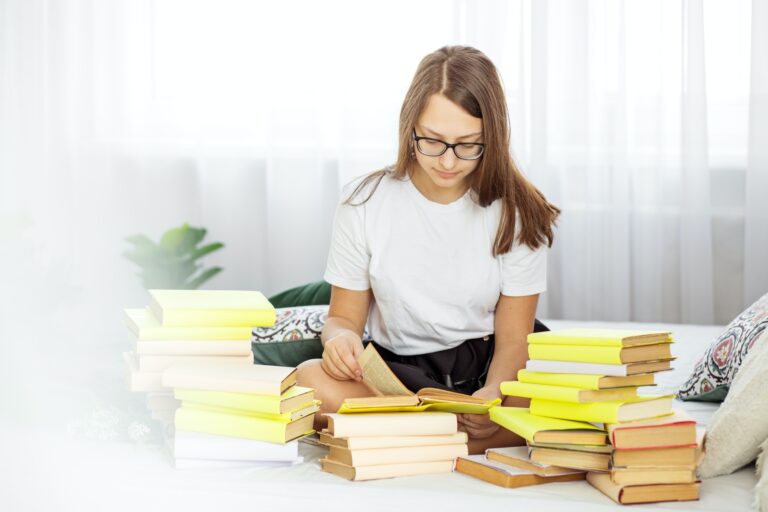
[(518, 457), (159, 363), (138, 380), (363, 443), (194, 348), (626, 494), (386, 470), (392, 424), (402, 455), (237, 378), (653, 475), (564, 393), (143, 324), (584, 381), (211, 308), (587, 336), (571, 459), (292, 398), (502, 475)]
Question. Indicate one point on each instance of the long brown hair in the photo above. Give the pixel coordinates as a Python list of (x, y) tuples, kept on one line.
[(468, 78)]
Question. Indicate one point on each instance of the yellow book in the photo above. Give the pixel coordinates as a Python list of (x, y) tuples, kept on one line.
[(143, 324), (639, 408), (286, 417), (211, 308), (606, 355), (541, 429), (565, 394), (599, 337), (291, 399), (247, 427), (584, 381)]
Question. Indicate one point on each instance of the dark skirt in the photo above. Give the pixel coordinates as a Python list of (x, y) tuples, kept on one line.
[(462, 368)]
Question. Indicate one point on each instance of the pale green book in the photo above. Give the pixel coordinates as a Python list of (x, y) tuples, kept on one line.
[(599, 337), (642, 407), (584, 381), (146, 327), (291, 399), (211, 308), (541, 429), (287, 417), (566, 394)]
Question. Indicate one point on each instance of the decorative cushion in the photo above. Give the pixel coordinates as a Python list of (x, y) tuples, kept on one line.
[(715, 371), (740, 425), (310, 294), (761, 489)]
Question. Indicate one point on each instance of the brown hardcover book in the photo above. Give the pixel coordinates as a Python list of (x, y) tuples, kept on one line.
[(677, 429), (499, 474), (647, 476), (686, 456), (517, 456), (571, 459), (386, 470), (401, 455), (627, 494)]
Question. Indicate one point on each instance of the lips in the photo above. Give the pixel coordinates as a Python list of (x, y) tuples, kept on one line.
[(446, 175)]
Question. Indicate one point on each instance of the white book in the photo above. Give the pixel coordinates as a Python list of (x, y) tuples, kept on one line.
[(194, 445), (613, 370), (141, 381), (225, 464), (194, 347), (158, 363)]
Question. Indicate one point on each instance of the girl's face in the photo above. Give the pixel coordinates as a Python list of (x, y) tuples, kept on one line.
[(444, 178)]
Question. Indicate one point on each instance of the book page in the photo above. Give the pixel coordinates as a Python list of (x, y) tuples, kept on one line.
[(378, 376)]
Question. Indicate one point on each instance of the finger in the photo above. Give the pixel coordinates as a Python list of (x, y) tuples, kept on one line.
[(477, 420), (348, 359), (331, 368), (340, 365)]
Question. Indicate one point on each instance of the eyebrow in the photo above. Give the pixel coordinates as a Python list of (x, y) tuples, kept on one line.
[(433, 132)]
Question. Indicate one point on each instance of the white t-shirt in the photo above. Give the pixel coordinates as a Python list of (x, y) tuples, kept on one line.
[(435, 281)]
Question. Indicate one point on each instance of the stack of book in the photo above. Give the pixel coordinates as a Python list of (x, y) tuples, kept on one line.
[(369, 446), (180, 326), (592, 376), (235, 413)]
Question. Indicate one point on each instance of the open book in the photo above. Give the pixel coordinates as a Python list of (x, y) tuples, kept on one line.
[(392, 395)]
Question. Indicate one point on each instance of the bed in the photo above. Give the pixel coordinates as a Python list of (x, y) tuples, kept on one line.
[(48, 470)]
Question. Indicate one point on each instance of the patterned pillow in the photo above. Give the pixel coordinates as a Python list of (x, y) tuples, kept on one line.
[(714, 372)]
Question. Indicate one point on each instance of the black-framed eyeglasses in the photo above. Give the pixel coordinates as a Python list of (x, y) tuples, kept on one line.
[(428, 146)]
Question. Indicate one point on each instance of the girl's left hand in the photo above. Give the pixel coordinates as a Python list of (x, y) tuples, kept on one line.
[(480, 426)]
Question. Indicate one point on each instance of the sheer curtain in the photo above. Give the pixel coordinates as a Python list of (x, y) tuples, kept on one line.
[(246, 118)]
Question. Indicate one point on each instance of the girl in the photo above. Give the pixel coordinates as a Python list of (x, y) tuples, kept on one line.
[(443, 254)]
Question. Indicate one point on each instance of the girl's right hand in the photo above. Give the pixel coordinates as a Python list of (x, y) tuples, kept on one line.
[(340, 355)]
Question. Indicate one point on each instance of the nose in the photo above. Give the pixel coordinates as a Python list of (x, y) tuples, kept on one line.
[(448, 159)]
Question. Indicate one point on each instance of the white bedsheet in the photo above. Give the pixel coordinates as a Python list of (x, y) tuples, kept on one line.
[(44, 470)]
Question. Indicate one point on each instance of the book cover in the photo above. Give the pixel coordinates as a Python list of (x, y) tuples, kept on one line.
[(363, 443), (386, 470), (642, 407), (653, 475), (676, 429), (546, 429), (585, 381), (499, 474), (391, 424), (518, 457), (585, 336), (588, 461), (259, 379), (159, 363), (566, 394), (400, 455), (601, 355), (146, 327), (291, 399), (615, 370), (287, 417), (248, 427), (628, 494), (195, 348), (211, 308), (196, 445)]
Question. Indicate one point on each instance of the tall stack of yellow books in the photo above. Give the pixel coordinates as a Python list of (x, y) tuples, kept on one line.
[(231, 412), (592, 376), (369, 446), (180, 326)]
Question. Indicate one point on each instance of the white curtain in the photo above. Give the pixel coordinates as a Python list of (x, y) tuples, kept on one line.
[(122, 117)]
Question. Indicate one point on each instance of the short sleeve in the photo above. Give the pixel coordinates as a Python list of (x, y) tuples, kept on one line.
[(348, 256), (524, 270)]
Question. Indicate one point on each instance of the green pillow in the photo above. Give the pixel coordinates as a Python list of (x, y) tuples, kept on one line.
[(288, 353), (310, 294)]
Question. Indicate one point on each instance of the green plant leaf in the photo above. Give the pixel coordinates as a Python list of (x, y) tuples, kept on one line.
[(199, 280), (142, 242), (202, 251), (192, 237)]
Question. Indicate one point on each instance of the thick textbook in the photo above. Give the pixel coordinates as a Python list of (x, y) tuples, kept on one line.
[(677, 429), (542, 429), (616, 370), (195, 445), (590, 461), (566, 394), (291, 399), (211, 308), (222, 376), (146, 327), (195, 348), (401, 455), (248, 427), (386, 470), (502, 475), (393, 396), (363, 443), (599, 337), (160, 363), (391, 424), (626, 494), (584, 381), (642, 407), (517, 456), (601, 355)]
